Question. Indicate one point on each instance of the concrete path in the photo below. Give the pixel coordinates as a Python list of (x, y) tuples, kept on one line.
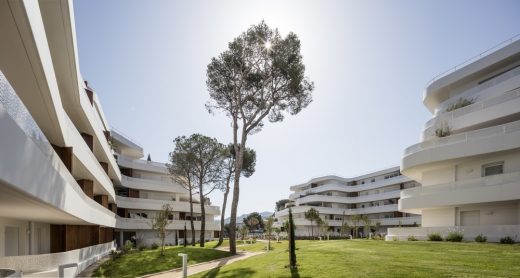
[(197, 268)]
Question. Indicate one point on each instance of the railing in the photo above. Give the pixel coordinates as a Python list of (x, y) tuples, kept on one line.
[(462, 185), (464, 137), (348, 200), (10, 101), (127, 137), (475, 58), (141, 162), (505, 97), (350, 188)]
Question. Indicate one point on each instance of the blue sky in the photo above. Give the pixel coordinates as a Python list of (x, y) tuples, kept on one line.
[(370, 61)]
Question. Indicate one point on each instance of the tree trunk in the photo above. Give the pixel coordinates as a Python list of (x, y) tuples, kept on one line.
[(191, 220), (223, 214), (239, 150), (203, 213)]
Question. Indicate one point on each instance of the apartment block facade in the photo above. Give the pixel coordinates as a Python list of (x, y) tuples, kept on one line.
[(338, 199), (70, 188), (468, 160)]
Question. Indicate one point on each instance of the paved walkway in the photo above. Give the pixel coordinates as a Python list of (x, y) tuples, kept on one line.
[(197, 268)]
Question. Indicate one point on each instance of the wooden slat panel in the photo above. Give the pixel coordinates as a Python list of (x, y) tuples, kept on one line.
[(57, 234), (104, 165), (89, 139), (133, 193), (65, 154), (102, 200), (88, 187)]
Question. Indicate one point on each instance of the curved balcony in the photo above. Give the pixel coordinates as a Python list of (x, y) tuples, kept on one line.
[(351, 188), (339, 211), (495, 188), (438, 89), (49, 263), (494, 108), (89, 162), (394, 221), (150, 204), (144, 165), (145, 224), (153, 185), (34, 182), (347, 200), (482, 141)]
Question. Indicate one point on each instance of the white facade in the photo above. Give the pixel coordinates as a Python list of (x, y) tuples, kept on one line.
[(58, 172), (470, 176), (338, 199)]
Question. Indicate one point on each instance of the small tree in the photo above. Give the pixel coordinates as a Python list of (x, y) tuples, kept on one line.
[(313, 216), (261, 76), (244, 230), (277, 231), (160, 221), (367, 223), (254, 221), (292, 242), (268, 224), (355, 224)]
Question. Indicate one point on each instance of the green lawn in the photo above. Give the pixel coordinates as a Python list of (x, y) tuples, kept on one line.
[(150, 261), (367, 258), (241, 245)]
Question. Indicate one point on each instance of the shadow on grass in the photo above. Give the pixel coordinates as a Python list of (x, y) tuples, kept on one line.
[(239, 272)]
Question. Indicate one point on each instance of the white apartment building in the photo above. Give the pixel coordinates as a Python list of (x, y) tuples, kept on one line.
[(60, 182), (470, 175), (145, 187), (337, 199)]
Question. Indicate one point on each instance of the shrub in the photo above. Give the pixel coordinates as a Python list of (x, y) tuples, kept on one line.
[(455, 236), (154, 246), (115, 254), (461, 102), (412, 238), (434, 237), (507, 240), (127, 247), (481, 238), (141, 247), (443, 131)]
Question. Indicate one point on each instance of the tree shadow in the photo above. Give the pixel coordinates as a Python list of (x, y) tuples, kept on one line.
[(239, 272), (294, 273)]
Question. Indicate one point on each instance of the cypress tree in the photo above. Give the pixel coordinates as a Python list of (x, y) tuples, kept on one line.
[(185, 239), (292, 243)]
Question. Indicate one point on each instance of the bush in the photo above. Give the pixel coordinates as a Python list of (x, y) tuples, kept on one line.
[(154, 246), (455, 236), (141, 247), (462, 102), (127, 247), (412, 238), (434, 237), (115, 254), (507, 240), (481, 238)]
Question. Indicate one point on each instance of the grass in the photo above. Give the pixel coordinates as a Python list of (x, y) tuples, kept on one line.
[(241, 245), (367, 258), (149, 261)]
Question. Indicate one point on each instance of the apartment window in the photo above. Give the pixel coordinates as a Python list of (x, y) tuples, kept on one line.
[(490, 169)]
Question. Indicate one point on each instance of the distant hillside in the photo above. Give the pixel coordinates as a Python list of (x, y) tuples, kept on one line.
[(240, 217)]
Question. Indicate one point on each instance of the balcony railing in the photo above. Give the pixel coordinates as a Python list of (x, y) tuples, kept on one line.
[(10, 101), (347, 200), (449, 116), (475, 58), (462, 185), (464, 137)]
